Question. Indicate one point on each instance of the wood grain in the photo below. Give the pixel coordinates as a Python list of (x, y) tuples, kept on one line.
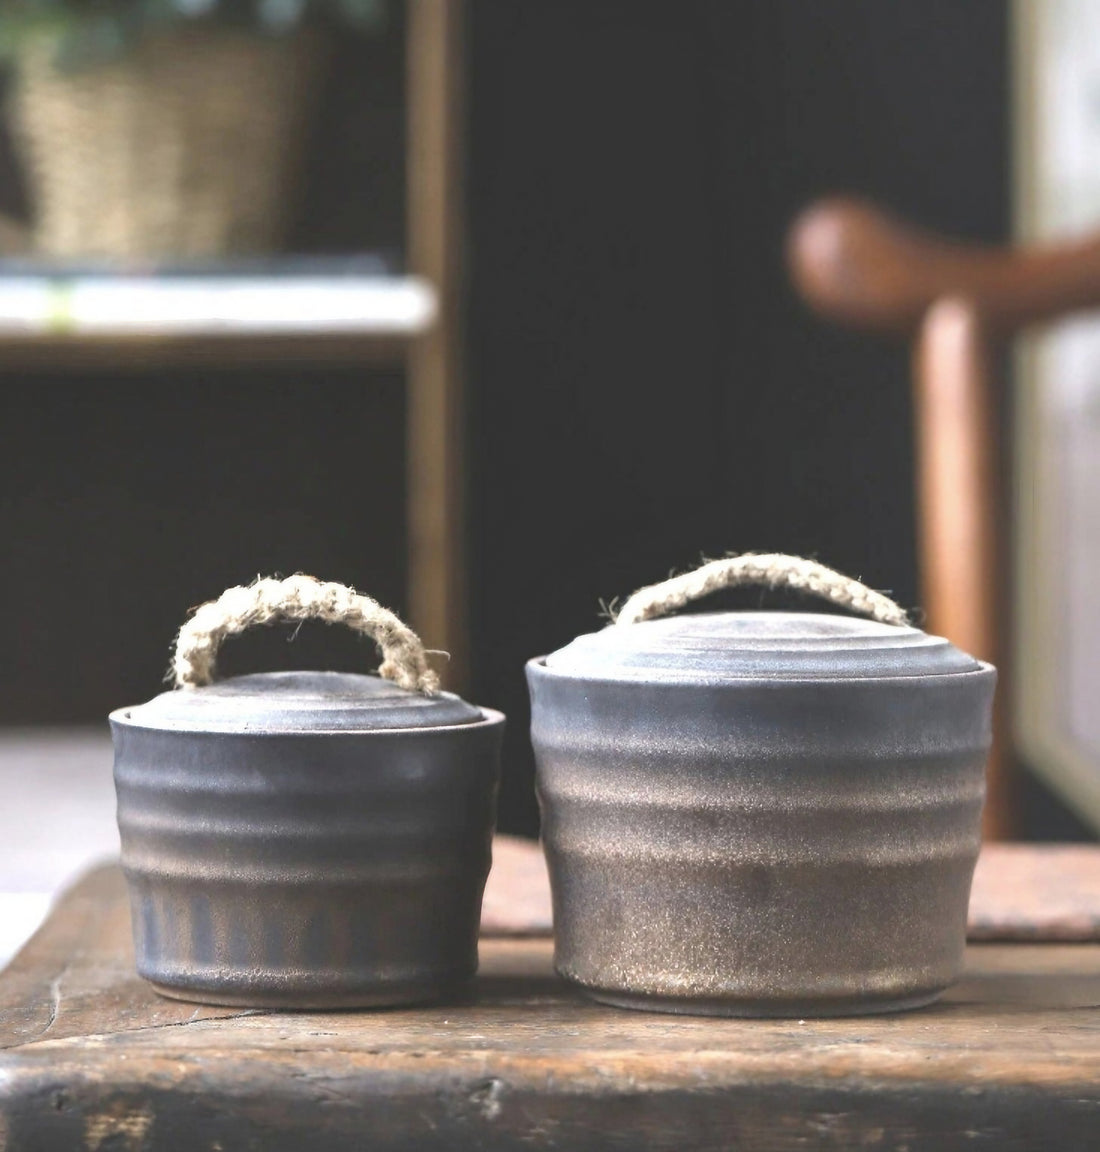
[(1036, 892), (1010, 1059), (435, 433)]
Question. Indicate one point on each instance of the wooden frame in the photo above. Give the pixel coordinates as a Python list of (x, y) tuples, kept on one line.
[(435, 430)]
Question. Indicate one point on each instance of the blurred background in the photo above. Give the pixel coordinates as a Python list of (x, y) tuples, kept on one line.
[(484, 308)]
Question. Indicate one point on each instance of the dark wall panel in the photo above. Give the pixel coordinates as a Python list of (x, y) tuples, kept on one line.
[(125, 500), (645, 387)]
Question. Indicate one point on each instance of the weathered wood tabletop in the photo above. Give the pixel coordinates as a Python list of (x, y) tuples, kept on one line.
[(1009, 1059)]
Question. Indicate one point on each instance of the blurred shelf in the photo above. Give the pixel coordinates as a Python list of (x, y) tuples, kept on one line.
[(50, 352), (136, 322), (415, 323)]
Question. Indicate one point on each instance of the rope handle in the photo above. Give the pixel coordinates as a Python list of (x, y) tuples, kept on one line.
[(268, 601), (772, 570)]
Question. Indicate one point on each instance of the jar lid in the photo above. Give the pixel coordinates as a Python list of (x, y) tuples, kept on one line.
[(759, 645), (405, 694), (288, 702)]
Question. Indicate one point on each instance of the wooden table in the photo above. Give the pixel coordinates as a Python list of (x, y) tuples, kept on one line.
[(1009, 1059)]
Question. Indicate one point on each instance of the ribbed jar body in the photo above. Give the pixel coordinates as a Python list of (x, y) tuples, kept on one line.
[(761, 846), (307, 870)]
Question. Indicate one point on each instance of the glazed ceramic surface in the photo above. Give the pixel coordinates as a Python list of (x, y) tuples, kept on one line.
[(761, 813), (308, 839)]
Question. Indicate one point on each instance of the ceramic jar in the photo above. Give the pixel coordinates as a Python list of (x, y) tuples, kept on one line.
[(761, 813), (305, 839)]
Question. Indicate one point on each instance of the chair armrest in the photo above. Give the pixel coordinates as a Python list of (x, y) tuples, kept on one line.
[(861, 266)]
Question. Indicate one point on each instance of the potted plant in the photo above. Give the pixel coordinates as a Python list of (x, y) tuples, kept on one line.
[(164, 128)]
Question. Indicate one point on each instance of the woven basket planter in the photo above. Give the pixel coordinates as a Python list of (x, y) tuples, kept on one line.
[(187, 147)]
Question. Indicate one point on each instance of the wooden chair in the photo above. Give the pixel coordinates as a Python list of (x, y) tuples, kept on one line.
[(957, 302)]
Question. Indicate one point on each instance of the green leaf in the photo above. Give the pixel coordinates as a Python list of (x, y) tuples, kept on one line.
[(90, 31)]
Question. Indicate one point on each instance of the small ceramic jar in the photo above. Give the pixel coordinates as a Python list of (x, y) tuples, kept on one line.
[(761, 813), (305, 839)]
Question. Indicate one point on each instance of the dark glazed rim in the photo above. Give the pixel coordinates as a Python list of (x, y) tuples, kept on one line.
[(490, 717), (670, 680)]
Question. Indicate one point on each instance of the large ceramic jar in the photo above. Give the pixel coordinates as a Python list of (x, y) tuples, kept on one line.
[(305, 839), (761, 813)]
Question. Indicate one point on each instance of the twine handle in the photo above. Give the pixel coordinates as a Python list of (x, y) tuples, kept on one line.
[(299, 598), (773, 570)]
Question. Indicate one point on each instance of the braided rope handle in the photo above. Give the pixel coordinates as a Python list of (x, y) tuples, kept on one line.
[(268, 601), (773, 570)]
